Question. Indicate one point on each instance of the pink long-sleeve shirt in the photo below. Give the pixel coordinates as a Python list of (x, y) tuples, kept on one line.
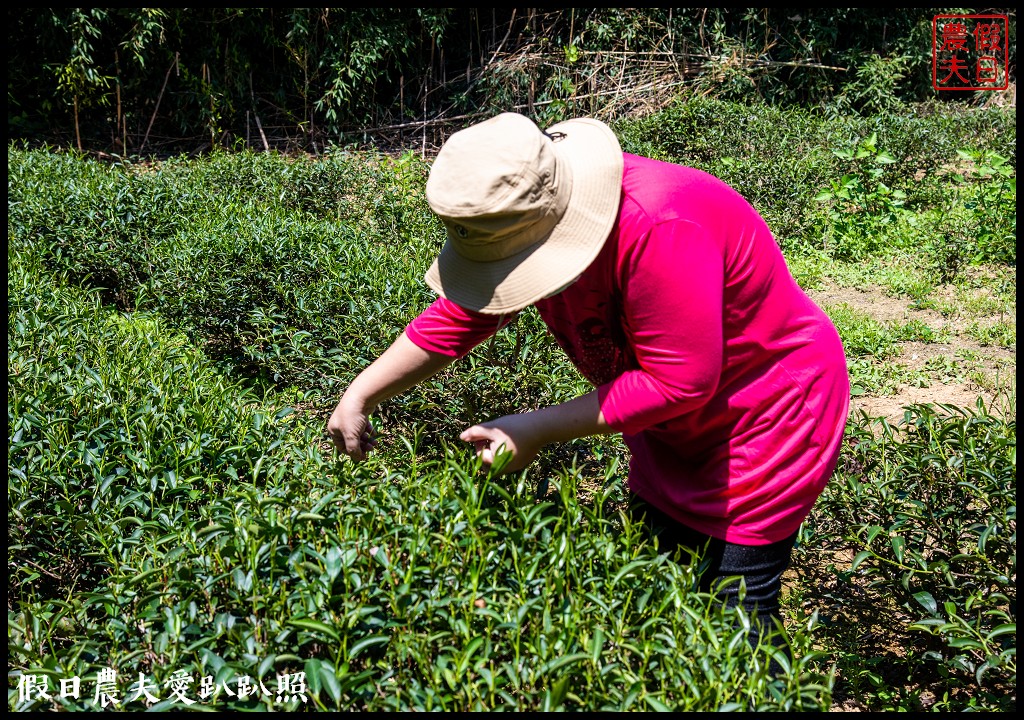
[(729, 385)]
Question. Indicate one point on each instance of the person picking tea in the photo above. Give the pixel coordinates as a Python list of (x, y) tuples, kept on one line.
[(669, 293)]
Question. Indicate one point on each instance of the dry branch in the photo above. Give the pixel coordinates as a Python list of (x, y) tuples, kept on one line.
[(158, 99)]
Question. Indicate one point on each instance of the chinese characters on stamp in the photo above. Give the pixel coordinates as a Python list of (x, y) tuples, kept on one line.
[(969, 52)]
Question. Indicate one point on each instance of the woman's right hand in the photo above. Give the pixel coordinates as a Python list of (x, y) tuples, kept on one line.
[(350, 429), (397, 369)]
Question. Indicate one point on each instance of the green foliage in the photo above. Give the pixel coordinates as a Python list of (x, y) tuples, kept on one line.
[(135, 81), (862, 335), (113, 420), (272, 277), (869, 344), (930, 511), (79, 75), (992, 202), (359, 50), (861, 203), (847, 187), (874, 89), (165, 521), (177, 330)]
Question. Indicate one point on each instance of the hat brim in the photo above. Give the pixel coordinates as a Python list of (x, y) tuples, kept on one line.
[(503, 286)]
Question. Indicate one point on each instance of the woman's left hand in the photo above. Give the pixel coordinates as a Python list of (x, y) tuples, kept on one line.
[(516, 433)]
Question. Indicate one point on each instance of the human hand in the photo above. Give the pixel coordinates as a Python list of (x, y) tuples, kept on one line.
[(350, 429), (512, 433)]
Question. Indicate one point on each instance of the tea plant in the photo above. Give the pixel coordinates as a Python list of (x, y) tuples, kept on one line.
[(169, 524), (925, 508), (991, 198), (177, 332)]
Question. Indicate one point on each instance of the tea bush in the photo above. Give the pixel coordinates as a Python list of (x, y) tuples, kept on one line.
[(289, 277), (929, 510), (167, 522), (786, 160), (261, 260), (115, 421), (178, 331)]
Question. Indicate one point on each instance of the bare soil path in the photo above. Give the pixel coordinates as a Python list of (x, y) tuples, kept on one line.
[(988, 374)]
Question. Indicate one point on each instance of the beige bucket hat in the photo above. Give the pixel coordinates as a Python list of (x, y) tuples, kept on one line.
[(526, 211)]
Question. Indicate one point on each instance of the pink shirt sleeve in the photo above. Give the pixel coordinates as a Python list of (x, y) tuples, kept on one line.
[(448, 329), (673, 287)]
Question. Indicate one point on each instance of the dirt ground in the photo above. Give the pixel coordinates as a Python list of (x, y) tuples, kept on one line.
[(991, 376)]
